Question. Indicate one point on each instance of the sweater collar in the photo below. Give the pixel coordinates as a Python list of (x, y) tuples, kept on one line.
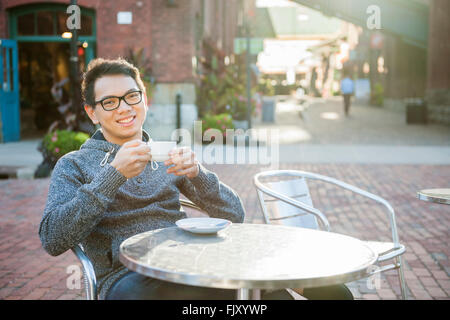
[(98, 142), (98, 135)]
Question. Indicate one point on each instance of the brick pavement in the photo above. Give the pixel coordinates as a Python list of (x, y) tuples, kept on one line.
[(27, 272)]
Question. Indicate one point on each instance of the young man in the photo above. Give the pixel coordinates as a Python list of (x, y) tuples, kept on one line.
[(107, 191)]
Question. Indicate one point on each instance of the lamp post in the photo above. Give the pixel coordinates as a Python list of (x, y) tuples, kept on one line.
[(178, 104), (74, 72)]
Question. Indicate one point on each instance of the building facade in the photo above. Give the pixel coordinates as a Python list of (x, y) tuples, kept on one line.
[(438, 84), (170, 34)]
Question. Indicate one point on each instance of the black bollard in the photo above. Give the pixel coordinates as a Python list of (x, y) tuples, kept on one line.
[(178, 102)]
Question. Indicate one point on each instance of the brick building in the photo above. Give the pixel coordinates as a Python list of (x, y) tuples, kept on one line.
[(438, 84), (171, 33)]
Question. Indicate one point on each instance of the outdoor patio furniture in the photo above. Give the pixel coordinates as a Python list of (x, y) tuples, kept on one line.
[(248, 258), (90, 280), (288, 202)]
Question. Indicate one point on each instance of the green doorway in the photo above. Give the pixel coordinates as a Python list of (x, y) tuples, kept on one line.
[(44, 53)]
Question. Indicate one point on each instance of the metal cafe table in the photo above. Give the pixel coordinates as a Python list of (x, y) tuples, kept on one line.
[(441, 196), (248, 256)]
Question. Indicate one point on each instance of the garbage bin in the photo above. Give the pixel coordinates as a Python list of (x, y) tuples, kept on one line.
[(268, 110), (416, 111)]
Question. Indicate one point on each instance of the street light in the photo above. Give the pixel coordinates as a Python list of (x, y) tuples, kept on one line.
[(74, 72)]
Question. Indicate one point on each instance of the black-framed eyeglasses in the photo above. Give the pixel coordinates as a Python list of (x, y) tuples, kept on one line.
[(112, 103)]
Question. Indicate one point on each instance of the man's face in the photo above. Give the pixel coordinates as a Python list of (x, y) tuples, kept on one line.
[(124, 123)]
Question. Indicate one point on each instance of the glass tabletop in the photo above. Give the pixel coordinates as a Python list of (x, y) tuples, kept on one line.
[(248, 256)]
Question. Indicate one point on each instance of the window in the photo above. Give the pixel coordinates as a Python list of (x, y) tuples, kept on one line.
[(45, 23), (86, 25), (61, 25), (25, 25), (50, 22)]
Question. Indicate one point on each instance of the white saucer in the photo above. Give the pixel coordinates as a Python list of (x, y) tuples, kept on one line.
[(203, 225)]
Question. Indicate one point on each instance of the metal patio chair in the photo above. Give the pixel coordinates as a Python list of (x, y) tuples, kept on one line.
[(288, 202), (90, 280)]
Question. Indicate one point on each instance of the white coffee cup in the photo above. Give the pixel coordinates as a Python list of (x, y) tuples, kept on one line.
[(160, 149)]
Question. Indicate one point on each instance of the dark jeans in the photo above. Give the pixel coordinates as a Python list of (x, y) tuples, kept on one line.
[(133, 286), (347, 101)]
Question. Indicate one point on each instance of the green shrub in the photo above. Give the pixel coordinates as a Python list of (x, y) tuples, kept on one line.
[(60, 142), (265, 86), (378, 95), (223, 88), (221, 122)]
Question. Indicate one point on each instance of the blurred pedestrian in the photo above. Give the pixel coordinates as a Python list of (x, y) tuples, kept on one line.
[(347, 89)]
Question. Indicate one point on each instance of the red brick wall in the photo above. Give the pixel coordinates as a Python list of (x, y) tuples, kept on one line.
[(438, 45), (115, 39), (112, 39), (8, 4), (172, 41), (220, 25), (3, 31), (166, 33)]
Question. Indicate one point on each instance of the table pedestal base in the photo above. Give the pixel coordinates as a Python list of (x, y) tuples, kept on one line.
[(243, 294), (248, 294)]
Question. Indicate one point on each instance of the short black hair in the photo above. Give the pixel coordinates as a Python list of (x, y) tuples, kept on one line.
[(100, 67)]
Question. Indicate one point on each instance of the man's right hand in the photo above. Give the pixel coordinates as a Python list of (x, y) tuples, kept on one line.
[(132, 158)]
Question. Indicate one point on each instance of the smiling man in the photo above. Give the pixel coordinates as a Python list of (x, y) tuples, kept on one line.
[(107, 191), (126, 122)]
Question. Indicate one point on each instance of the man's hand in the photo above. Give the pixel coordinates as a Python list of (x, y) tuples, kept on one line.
[(132, 158), (184, 161)]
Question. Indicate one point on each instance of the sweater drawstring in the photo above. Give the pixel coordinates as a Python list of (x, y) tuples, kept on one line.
[(105, 159), (153, 163)]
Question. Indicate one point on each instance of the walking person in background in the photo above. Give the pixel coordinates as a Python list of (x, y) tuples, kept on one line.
[(347, 89)]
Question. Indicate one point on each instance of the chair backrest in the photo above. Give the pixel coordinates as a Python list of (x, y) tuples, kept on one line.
[(283, 213), (263, 189), (288, 202)]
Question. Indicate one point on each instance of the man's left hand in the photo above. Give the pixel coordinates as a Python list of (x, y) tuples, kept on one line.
[(184, 162)]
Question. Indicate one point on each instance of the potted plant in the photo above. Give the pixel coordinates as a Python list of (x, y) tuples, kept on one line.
[(139, 60), (377, 97), (223, 89), (55, 145), (239, 111), (221, 122), (265, 87)]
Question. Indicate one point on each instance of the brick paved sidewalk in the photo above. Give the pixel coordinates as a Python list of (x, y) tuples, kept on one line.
[(27, 272)]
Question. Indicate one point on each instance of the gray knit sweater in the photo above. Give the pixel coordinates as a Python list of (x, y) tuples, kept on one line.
[(91, 203)]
